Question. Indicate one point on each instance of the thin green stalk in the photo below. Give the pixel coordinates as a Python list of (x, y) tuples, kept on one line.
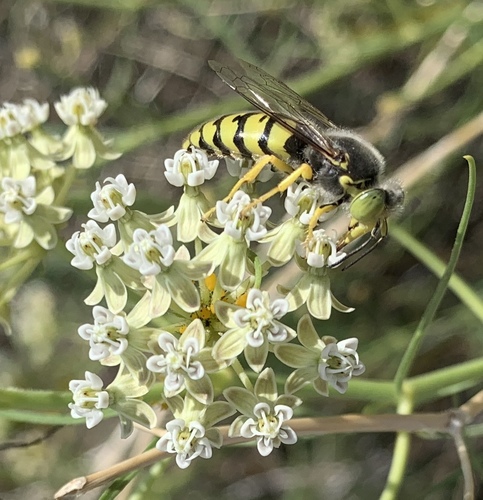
[(18, 258), (400, 456), (242, 375), (444, 382), (456, 284), (258, 272), (433, 304), (69, 177)]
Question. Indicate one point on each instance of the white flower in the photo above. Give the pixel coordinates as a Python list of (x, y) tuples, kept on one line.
[(189, 168), (107, 336), (89, 399), (17, 198), (260, 316), (269, 427), (110, 201), (153, 255), (302, 200), (240, 223), (252, 328), (149, 251), (81, 106), (13, 120), (320, 250), (187, 440), (264, 413), (339, 362), (37, 113), (176, 361), (319, 361), (243, 224), (92, 245)]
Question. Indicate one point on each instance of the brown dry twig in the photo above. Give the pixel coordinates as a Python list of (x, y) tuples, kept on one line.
[(448, 422)]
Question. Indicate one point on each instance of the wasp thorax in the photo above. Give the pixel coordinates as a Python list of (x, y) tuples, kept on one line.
[(365, 163)]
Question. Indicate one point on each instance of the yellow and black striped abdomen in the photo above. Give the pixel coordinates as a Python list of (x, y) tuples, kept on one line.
[(246, 135)]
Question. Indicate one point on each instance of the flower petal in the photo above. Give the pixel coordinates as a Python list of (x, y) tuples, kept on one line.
[(257, 356), (217, 411), (242, 399), (295, 356), (231, 344), (266, 386), (307, 334), (300, 377)]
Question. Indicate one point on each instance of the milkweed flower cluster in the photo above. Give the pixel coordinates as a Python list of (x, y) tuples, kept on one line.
[(184, 300), (36, 170)]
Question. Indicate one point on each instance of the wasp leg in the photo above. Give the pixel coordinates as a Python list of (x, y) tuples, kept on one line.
[(314, 220), (304, 171), (251, 176), (378, 233)]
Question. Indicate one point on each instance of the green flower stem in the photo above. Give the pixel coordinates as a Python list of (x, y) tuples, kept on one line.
[(444, 382), (433, 304), (40, 418), (31, 400), (50, 407), (258, 272), (18, 258), (69, 177), (29, 262), (456, 284), (238, 369), (367, 390), (400, 456)]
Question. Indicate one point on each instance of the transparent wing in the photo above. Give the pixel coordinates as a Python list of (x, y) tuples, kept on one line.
[(280, 102)]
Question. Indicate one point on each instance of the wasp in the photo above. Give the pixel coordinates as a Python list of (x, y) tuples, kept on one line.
[(292, 136)]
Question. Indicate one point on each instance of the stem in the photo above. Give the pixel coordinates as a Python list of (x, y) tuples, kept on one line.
[(69, 177), (238, 369), (258, 272), (400, 456), (433, 304)]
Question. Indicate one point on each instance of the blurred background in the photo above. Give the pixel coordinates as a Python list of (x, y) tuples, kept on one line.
[(404, 73)]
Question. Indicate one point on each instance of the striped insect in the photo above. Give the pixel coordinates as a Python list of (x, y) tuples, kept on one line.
[(292, 136)]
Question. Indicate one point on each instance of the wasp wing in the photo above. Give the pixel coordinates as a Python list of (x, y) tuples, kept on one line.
[(280, 102)]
